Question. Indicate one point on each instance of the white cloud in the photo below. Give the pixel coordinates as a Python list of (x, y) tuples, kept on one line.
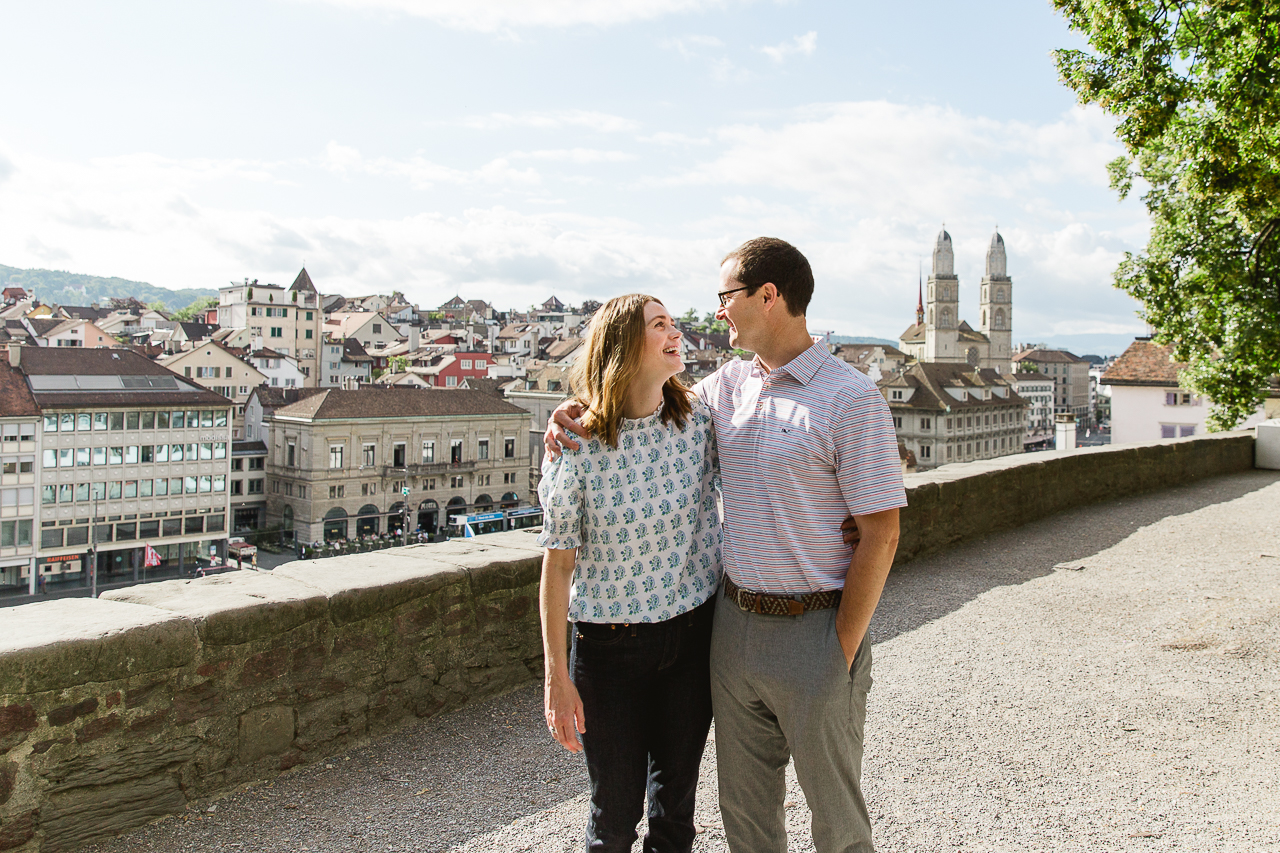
[(805, 45), (420, 173), (690, 46), (861, 187), (550, 120), (498, 15), (668, 138), (575, 155)]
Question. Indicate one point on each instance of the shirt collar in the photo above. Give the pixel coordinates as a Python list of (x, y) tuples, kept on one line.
[(802, 368)]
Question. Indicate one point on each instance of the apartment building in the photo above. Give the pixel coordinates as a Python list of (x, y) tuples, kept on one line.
[(19, 480), (1070, 377), (945, 412), (345, 463), (247, 486), (219, 369), (131, 454), (287, 320), (1037, 390)]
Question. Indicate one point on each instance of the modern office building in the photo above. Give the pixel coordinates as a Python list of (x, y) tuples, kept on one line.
[(131, 454), (19, 479)]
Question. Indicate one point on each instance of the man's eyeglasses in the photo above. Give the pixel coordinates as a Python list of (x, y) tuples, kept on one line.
[(724, 293)]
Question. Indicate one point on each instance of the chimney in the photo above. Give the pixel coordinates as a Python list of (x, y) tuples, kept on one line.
[(15, 354), (415, 338)]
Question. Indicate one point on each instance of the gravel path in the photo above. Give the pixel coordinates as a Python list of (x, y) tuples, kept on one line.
[(1108, 679)]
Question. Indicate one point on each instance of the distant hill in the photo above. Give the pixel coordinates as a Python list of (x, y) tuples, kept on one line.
[(854, 339), (68, 288)]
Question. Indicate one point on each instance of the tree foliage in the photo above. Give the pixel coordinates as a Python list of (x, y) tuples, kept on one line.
[(1196, 87), (195, 309), (67, 288)]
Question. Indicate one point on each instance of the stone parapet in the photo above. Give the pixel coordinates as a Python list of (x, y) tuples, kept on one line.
[(970, 499), (122, 710)]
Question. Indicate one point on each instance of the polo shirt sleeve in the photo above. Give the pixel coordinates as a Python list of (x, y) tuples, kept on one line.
[(562, 494), (868, 468)]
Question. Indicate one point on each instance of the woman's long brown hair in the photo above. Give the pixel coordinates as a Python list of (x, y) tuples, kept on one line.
[(601, 376)]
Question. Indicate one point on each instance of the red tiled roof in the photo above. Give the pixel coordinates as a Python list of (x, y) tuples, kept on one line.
[(1144, 363), (15, 397)]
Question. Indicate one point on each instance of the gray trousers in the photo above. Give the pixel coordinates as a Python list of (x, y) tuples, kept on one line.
[(780, 690)]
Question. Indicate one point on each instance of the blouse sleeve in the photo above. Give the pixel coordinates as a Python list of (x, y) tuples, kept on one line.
[(561, 493)]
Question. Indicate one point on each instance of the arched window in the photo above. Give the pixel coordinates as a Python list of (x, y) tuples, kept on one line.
[(455, 506), (429, 517), (944, 319), (367, 521), (395, 518), (999, 294), (509, 500), (335, 524), (999, 318), (484, 503)]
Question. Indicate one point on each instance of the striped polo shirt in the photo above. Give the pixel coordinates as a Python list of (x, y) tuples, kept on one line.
[(800, 448)]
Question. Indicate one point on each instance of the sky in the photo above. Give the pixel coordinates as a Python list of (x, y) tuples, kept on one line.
[(509, 150)]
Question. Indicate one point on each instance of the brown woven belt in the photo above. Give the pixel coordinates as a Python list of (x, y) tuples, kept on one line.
[(780, 605)]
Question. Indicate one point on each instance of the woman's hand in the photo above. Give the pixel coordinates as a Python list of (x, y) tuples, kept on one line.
[(561, 427), (563, 709)]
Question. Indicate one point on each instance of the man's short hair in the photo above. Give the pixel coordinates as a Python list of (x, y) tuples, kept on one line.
[(768, 259)]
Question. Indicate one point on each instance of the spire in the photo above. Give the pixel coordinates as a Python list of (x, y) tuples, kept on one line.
[(943, 255), (920, 298), (997, 260)]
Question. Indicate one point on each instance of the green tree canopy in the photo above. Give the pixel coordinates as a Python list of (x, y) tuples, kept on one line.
[(1196, 87), (195, 309)]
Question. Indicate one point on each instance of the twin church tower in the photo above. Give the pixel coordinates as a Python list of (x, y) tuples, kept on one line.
[(939, 335)]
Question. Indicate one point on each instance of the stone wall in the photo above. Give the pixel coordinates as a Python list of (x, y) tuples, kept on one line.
[(118, 711)]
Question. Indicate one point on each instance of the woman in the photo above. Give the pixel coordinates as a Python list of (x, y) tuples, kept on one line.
[(632, 542)]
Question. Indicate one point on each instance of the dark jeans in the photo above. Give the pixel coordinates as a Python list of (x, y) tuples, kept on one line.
[(646, 699)]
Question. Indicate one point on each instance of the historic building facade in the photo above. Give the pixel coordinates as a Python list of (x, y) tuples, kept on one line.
[(339, 462), (954, 413)]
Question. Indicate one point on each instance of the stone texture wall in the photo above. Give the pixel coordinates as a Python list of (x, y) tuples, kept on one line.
[(121, 710), (970, 499), (118, 711)]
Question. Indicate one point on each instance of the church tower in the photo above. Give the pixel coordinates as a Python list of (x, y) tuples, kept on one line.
[(997, 306), (942, 312)]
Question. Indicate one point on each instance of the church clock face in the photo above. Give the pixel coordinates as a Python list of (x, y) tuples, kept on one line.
[(972, 356)]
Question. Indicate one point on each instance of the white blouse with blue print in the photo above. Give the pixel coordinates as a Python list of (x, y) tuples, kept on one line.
[(643, 517)]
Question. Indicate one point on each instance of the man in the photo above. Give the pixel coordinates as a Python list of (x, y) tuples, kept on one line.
[(804, 440)]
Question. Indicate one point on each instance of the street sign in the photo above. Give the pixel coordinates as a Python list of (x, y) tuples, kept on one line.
[(405, 491)]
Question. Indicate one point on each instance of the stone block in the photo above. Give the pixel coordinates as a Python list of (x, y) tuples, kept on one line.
[(265, 731), (65, 714), (338, 718), (18, 829), (359, 588), (76, 817), (52, 645), (100, 727), (16, 722), (233, 608), (130, 759)]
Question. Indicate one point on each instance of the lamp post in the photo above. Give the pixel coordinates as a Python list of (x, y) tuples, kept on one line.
[(93, 551)]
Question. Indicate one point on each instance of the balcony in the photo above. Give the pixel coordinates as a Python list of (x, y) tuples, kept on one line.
[(419, 469), (1098, 677)]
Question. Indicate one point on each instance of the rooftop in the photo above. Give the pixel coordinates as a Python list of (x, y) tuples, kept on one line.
[(1144, 363), (394, 401)]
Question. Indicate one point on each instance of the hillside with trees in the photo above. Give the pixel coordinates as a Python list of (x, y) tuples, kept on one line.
[(68, 288)]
